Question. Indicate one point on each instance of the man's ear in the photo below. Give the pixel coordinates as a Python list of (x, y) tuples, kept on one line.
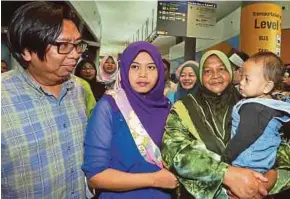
[(268, 87), (26, 55)]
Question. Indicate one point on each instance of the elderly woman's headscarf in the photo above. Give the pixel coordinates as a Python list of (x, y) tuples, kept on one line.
[(221, 56), (103, 77), (181, 91), (152, 108)]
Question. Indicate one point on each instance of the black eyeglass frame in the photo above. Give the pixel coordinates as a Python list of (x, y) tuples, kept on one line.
[(74, 45)]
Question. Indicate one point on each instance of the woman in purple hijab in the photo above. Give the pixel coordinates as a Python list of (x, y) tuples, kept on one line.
[(122, 157)]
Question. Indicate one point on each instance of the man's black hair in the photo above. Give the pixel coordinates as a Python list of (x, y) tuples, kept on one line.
[(34, 26)]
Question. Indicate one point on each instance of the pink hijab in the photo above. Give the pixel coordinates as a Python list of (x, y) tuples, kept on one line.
[(103, 77)]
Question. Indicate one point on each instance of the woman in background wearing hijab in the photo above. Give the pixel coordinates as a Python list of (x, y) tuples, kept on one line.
[(87, 70), (108, 72), (122, 158), (188, 81)]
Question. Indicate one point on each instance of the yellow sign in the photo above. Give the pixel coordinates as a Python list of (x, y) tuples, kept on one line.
[(261, 28)]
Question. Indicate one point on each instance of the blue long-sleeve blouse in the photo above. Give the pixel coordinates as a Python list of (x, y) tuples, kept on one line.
[(109, 144)]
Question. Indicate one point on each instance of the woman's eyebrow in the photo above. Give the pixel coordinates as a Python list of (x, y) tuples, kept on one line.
[(139, 63)]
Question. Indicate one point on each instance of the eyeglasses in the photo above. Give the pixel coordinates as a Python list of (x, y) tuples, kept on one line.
[(67, 47), (88, 68)]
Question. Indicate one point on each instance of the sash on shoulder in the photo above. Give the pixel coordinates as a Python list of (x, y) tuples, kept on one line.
[(146, 146)]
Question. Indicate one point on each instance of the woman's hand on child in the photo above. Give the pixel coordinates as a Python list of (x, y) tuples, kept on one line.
[(245, 183)]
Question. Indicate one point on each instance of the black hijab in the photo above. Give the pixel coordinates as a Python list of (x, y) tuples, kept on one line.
[(98, 88)]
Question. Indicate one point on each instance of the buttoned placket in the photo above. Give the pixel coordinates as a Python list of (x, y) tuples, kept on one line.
[(65, 136), (68, 137)]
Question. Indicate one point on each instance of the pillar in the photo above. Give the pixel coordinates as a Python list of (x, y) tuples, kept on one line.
[(189, 48), (260, 28)]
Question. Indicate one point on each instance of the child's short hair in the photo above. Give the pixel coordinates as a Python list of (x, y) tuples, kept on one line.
[(273, 66)]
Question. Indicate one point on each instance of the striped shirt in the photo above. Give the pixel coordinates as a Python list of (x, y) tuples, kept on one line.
[(41, 139)]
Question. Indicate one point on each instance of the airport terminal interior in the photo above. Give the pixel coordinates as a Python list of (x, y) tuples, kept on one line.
[(145, 99), (110, 26)]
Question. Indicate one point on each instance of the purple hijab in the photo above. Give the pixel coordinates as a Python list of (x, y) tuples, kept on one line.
[(152, 109)]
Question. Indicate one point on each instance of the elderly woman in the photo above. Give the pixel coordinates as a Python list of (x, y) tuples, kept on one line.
[(197, 132)]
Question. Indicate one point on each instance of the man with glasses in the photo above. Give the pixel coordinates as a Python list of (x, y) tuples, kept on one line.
[(43, 106)]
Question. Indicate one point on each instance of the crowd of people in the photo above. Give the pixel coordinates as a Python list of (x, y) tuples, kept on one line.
[(123, 129)]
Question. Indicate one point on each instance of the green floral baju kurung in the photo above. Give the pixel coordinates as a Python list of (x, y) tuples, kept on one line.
[(197, 132), (186, 151)]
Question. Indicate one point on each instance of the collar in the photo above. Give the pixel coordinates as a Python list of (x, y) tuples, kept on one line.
[(67, 85)]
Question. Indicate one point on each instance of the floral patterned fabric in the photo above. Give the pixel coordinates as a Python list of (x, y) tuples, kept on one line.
[(197, 132), (200, 170)]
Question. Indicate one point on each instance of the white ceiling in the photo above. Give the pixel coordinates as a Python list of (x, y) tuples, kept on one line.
[(121, 19)]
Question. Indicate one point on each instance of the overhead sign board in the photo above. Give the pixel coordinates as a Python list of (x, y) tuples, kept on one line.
[(186, 18)]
